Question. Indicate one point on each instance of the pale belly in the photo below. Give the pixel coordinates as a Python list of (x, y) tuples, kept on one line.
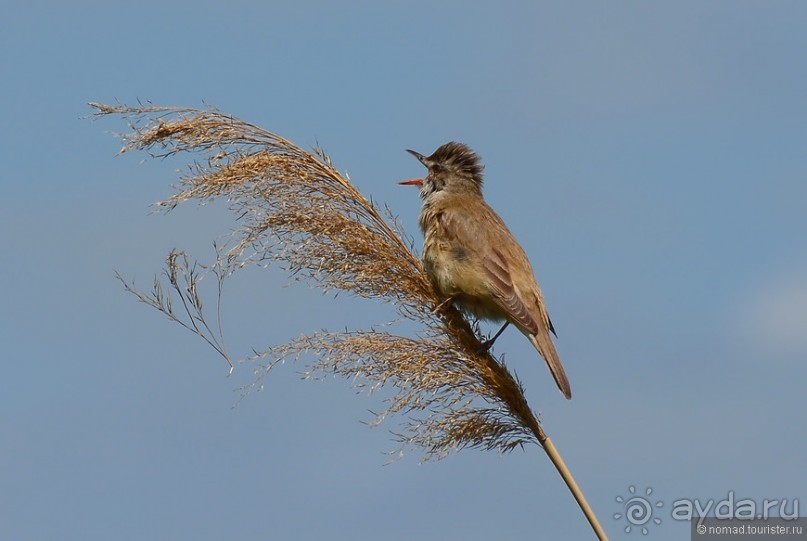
[(459, 279)]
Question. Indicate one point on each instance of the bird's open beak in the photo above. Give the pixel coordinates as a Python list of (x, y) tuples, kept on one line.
[(414, 182)]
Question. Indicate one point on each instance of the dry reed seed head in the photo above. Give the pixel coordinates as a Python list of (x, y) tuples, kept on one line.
[(437, 382)]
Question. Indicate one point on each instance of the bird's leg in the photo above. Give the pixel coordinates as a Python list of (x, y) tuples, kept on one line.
[(487, 344)]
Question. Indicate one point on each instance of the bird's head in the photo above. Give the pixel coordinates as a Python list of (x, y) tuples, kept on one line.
[(452, 167)]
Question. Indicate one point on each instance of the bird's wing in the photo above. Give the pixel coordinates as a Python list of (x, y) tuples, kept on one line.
[(504, 292), (486, 239), (490, 245)]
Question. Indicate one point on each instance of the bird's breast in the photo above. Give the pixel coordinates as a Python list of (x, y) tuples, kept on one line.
[(456, 271)]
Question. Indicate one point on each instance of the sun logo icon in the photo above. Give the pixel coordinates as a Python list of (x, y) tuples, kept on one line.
[(638, 510)]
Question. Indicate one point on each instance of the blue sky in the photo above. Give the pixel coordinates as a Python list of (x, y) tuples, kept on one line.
[(650, 158)]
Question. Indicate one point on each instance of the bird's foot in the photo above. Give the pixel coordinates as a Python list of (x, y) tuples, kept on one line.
[(486, 345)]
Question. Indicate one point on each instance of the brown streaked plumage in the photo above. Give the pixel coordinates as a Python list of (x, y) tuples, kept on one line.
[(473, 258)]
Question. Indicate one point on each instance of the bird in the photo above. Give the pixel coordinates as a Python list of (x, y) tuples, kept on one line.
[(473, 259)]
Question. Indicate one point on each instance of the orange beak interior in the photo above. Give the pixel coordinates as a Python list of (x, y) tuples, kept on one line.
[(414, 182)]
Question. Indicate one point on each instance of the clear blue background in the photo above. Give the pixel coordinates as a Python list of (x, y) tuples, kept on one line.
[(651, 158)]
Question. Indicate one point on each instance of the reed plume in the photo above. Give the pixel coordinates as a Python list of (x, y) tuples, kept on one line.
[(294, 208)]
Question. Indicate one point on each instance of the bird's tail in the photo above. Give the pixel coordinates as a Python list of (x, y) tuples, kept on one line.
[(543, 343)]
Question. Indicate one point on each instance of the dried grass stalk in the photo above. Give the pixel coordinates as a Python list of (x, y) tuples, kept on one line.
[(298, 210)]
